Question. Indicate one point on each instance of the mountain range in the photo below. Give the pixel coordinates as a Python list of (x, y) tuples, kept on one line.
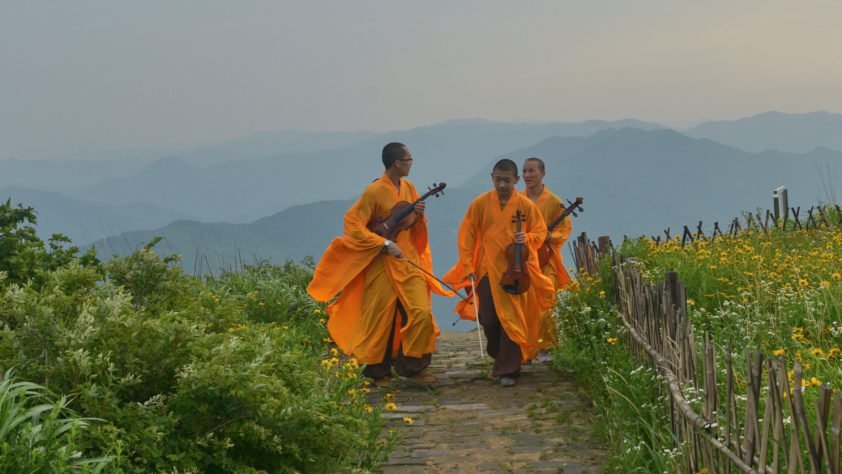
[(243, 180), (634, 182)]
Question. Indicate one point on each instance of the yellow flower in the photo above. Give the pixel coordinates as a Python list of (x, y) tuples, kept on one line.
[(817, 352), (407, 420), (334, 352), (825, 284), (815, 382), (833, 353), (611, 340), (803, 282), (368, 408), (391, 406), (691, 302), (836, 276), (778, 352)]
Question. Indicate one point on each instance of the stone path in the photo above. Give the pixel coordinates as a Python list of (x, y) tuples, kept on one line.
[(466, 422)]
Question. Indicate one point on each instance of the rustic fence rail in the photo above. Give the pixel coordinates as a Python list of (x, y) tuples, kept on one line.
[(727, 420)]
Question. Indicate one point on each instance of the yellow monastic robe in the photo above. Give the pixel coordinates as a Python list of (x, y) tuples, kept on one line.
[(485, 233), (551, 206), (371, 282)]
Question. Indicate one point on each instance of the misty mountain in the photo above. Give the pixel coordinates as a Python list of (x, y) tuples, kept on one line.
[(268, 144), (243, 190), (634, 182), (794, 133), (63, 176), (85, 221)]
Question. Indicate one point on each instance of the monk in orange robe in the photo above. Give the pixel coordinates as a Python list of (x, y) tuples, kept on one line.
[(484, 234), (383, 315), (551, 206)]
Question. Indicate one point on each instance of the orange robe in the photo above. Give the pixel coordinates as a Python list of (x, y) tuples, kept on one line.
[(551, 206), (485, 233), (371, 282)]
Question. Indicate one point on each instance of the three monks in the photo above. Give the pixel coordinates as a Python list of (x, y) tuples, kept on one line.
[(383, 314)]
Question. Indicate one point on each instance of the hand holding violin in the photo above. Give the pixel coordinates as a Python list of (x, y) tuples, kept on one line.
[(419, 207), (520, 237)]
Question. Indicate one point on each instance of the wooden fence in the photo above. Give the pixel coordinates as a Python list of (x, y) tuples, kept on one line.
[(752, 419)]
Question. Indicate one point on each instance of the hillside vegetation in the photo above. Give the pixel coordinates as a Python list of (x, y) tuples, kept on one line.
[(133, 366), (780, 293)]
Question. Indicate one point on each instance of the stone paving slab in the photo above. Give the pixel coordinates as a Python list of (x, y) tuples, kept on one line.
[(466, 422)]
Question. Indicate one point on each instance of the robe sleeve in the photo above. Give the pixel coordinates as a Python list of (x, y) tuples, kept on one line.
[(356, 219), (347, 255), (467, 241)]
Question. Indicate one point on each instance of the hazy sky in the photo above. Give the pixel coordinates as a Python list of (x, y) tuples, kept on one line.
[(123, 74)]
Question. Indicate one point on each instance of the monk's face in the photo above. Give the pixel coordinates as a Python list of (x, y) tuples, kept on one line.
[(504, 182), (532, 174), (404, 164)]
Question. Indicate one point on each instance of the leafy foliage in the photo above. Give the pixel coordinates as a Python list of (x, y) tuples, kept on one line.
[(779, 292), (227, 374)]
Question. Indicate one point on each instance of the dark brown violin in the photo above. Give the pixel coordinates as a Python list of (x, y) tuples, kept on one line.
[(515, 280), (402, 216), (545, 251)]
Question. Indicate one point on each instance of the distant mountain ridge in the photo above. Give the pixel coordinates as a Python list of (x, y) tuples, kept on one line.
[(634, 182), (86, 221), (243, 190), (794, 133)]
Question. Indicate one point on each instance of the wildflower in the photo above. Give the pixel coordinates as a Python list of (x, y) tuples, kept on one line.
[(368, 408), (825, 284), (815, 382), (611, 340), (691, 302), (778, 352), (817, 352), (391, 406), (334, 352), (408, 420), (833, 353), (601, 293), (803, 282), (836, 276)]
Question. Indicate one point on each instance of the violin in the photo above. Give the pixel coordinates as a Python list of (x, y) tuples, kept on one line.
[(515, 279), (402, 216), (545, 251)]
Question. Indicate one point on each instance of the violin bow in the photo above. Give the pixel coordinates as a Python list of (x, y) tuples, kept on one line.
[(465, 299)]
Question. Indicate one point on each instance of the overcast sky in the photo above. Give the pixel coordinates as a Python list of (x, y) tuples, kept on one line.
[(115, 74)]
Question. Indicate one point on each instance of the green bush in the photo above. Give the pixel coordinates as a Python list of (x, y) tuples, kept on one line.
[(227, 374)]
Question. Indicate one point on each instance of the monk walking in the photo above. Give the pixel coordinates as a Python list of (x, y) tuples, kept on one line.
[(551, 207), (383, 316), (484, 234)]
